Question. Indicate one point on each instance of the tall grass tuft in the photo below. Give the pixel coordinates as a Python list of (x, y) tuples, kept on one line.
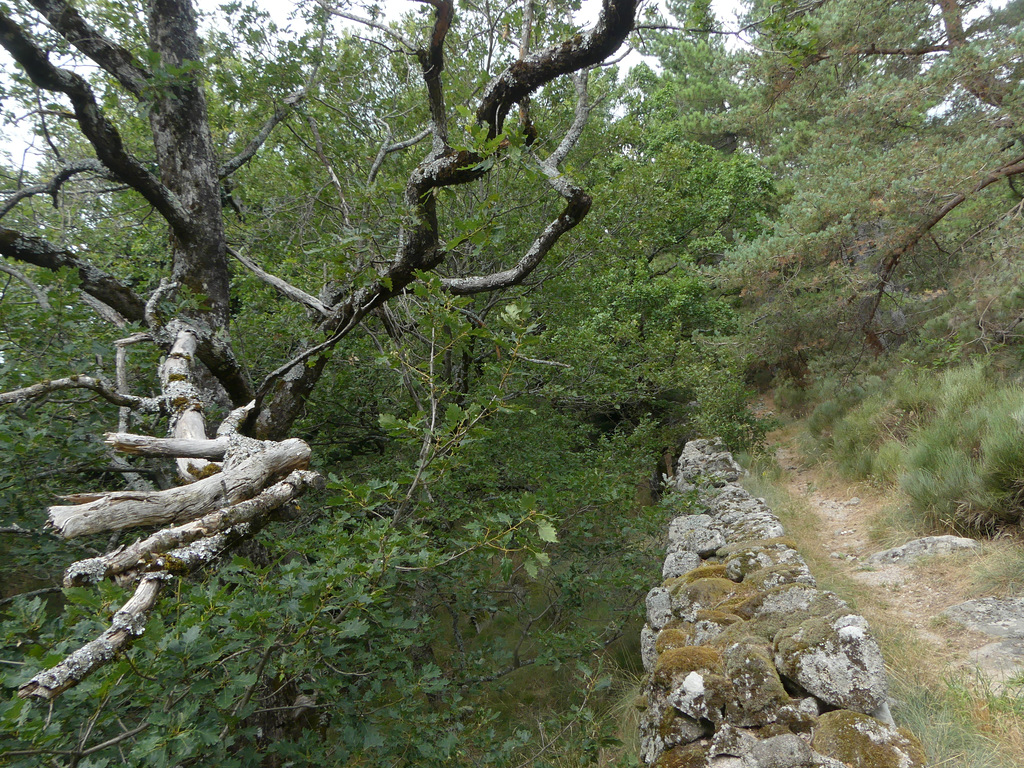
[(954, 443)]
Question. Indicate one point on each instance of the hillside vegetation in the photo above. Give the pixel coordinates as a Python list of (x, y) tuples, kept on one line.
[(493, 279)]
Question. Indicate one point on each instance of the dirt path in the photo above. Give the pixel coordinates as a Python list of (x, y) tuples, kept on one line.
[(915, 595)]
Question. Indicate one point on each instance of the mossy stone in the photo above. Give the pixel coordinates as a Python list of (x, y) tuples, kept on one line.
[(755, 544), (759, 693), (778, 575), (707, 594), (861, 741), (688, 756), (673, 638), (677, 662), (677, 728)]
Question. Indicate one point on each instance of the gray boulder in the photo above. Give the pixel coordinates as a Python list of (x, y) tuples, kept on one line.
[(929, 545)]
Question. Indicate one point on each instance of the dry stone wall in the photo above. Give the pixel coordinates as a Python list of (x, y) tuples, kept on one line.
[(749, 664)]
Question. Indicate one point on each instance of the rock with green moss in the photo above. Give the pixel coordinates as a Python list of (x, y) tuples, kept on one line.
[(706, 594), (835, 659), (689, 756), (861, 741), (759, 693), (710, 624), (777, 575), (663, 727), (705, 571), (755, 555), (692, 680)]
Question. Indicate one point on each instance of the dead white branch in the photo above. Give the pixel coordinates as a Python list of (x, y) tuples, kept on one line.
[(286, 289), (127, 623), (183, 397), (145, 553), (234, 419), (92, 513), (168, 447), (37, 293)]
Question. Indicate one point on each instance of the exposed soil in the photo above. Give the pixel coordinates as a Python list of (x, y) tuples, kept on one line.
[(913, 594)]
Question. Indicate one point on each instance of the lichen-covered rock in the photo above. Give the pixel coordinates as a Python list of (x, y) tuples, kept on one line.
[(689, 756), (777, 575), (691, 679), (659, 607), (662, 727), (679, 563), (758, 525), (700, 534), (708, 460), (790, 600), (753, 556), (648, 653), (759, 693), (929, 545), (783, 750), (835, 659), (704, 571), (744, 628), (710, 624), (705, 594), (863, 742)]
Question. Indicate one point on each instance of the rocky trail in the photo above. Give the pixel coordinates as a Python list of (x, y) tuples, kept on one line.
[(924, 584)]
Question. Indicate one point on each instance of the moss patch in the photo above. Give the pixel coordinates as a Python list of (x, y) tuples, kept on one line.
[(863, 742), (689, 756), (669, 639), (683, 661)]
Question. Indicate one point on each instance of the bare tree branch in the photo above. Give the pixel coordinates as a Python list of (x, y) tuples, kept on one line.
[(432, 63), (146, 404), (388, 31), (128, 622), (142, 554), (109, 55), (523, 77), (95, 282), (117, 510), (386, 149), (250, 150), (101, 133), (168, 447), (286, 289), (52, 187), (37, 293), (112, 316), (577, 206)]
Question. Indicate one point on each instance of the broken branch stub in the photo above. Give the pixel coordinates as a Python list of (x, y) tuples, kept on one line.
[(168, 447), (93, 513)]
